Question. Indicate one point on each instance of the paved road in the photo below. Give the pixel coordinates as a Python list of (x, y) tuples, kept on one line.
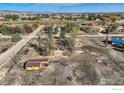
[(24, 37), (79, 36), (110, 35), (20, 22), (5, 57)]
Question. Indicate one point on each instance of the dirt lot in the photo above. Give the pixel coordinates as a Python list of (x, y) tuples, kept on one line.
[(95, 66)]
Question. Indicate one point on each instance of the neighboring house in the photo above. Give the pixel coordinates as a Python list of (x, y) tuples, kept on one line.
[(57, 17), (36, 64), (98, 19), (76, 16), (57, 55)]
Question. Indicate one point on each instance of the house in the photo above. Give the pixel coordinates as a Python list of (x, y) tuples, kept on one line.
[(58, 54), (36, 64)]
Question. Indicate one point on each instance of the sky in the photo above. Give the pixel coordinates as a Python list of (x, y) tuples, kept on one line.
[(63, 7)]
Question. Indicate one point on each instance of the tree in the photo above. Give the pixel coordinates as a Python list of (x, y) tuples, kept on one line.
[(11, 30), (16, 37), (49, 29), (37, 17), (62, 33), (29, 18), (47, 43), (13, 17), (28, 29), (62, 17), (91, 17), (75, 31), (69, 27), (72, 28), (49, 46), (68, 43), (107, 33), (45, 16), (110, 28), (98, 16), (113, 27), (35, 25), (56, 30), (103, 20), (7, 16), (17, 30), (39, 40), (44, 45), (113, 18)]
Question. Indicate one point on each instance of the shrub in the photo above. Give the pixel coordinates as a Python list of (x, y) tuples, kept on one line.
[(17, 30), (26, 51), (4, 30), (13, 17), (16, 38), (28, 28), (35, 26), (11, 30)]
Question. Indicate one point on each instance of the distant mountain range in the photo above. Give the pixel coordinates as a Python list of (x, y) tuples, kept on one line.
[(47, 12), (12, 11)]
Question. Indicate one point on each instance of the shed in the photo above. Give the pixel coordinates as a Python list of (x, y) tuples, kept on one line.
[(36, 64)]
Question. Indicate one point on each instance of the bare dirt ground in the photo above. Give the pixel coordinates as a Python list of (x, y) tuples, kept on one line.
[(5, 44), (95, 66)]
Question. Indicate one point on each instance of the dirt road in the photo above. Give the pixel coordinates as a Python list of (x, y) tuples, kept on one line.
[(5, 57)]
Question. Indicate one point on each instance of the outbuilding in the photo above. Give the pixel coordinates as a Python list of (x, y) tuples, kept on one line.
[(36, 64)]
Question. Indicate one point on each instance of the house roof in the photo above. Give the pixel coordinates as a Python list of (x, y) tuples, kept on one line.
[(34, 62), (39, 60)]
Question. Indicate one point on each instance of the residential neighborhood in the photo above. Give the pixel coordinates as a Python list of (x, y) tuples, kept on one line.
[(61, 48)]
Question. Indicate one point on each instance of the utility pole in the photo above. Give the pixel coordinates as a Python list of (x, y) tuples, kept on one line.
[(107, 32)]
